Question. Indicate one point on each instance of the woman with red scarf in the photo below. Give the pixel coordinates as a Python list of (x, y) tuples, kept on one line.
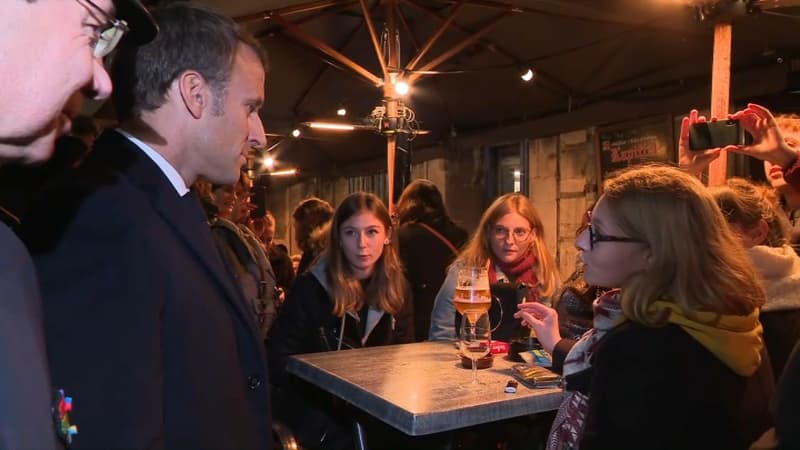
[(509, 241)]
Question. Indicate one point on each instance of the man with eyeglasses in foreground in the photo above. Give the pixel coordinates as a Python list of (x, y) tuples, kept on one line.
[(145, 325), (51, 55)]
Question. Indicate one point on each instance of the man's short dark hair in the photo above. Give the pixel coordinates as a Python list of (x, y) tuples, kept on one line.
[(191, 37)]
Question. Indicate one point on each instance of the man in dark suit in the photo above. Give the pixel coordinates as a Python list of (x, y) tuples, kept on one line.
[(146, 328), (48, 63)]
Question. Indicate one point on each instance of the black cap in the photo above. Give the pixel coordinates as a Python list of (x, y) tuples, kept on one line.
[(143, 28)]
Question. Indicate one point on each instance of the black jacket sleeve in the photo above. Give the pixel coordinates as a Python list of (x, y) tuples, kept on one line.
[(560, 352), (298, 327)]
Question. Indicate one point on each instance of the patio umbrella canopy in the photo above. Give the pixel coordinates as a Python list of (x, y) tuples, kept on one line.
[(323, 56)]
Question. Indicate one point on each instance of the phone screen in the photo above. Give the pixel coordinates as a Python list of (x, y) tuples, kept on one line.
[(707, 135)]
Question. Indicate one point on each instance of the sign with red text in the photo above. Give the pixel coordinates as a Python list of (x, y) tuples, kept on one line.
[(631, 143)]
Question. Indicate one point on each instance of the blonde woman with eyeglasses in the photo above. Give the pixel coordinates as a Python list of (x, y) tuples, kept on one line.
[(509, 243), (675, 359)]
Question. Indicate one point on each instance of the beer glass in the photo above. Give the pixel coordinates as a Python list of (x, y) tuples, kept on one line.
[(475, 340), (472, 297)]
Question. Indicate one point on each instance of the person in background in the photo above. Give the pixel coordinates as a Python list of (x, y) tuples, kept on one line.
[(52, 56), (243, 252), (146, 328), (789, 197), (310, 219), (770, 145), (429, 241), (354, 296), (686, 313), (510, 242), (764, 231), (278, 254), (780, 159), (296, 263)]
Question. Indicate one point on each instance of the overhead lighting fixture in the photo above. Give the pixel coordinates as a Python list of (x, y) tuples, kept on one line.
[(296, 133), (331, 126), (527, 75), (401, 87), (268, 163), (341, 112), (280, 173)]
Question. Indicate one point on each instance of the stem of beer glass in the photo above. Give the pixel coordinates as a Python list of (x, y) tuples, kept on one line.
[(474, 371)]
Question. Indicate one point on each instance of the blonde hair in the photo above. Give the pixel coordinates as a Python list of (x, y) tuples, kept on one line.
[(745, 204), (387, 289), (479, 249), (696, 261), (788, 122)]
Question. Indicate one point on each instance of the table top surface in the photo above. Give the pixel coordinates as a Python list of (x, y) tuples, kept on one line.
[(421, 388)]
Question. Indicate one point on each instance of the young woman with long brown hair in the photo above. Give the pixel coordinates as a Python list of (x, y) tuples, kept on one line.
[(355, 295)]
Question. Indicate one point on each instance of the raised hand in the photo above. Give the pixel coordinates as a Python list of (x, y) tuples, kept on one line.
[(691, 161), (769, 144)]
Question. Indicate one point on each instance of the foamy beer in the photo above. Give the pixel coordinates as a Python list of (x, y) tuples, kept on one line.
[(472, 297)]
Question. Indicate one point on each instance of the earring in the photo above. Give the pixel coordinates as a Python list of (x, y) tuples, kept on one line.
[(386, 241)]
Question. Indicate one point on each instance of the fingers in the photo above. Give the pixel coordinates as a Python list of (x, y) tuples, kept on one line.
[(684, 136), (709, 155), (536, 308), (528, 319), (759, 110)]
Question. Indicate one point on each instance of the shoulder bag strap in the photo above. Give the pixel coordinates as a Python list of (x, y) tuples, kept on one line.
[(441, 237)]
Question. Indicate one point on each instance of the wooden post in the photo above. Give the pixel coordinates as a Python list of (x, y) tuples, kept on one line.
[(391, 97), (720, 94)]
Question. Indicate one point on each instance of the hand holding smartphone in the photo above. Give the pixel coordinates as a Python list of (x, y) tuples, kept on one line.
[(706, 135)]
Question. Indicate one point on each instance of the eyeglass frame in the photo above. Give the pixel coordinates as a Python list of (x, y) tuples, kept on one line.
[(111, 22), (595, 237), (508, 232)]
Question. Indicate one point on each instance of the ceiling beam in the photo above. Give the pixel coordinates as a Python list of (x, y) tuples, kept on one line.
[(290, 10), (560, 87), (374, 37), (348, 40), (591, 14), (314, 42), (436, 92), (459, 47), (435, 37)]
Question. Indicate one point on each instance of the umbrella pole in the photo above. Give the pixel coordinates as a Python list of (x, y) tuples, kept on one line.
[(720, 94)]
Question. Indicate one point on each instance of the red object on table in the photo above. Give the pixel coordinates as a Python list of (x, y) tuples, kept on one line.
[(499, 347)]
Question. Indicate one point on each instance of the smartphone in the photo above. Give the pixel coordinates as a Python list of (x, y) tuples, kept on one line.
[(707, 135)]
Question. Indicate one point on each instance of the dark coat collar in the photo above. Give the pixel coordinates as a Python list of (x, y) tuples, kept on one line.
[(183, 214)]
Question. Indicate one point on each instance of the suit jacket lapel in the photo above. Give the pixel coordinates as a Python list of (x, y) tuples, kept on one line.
[(184, 215)]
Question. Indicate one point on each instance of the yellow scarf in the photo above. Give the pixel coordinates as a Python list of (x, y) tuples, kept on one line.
[(734, 340)]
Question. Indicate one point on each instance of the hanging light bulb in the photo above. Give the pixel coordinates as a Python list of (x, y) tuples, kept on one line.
[(296, 133), (268, 163), (401, 87), (341, 111), (527, 75)]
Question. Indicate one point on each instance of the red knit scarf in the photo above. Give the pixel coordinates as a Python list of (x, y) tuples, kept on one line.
[(520, 271)]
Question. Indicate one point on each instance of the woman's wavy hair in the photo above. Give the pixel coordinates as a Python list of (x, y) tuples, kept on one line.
[(745, 203), (421, 201), (696, 260), (479, 249), (387, 289)]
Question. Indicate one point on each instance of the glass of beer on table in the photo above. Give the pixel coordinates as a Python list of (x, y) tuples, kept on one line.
[(472, 297)]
